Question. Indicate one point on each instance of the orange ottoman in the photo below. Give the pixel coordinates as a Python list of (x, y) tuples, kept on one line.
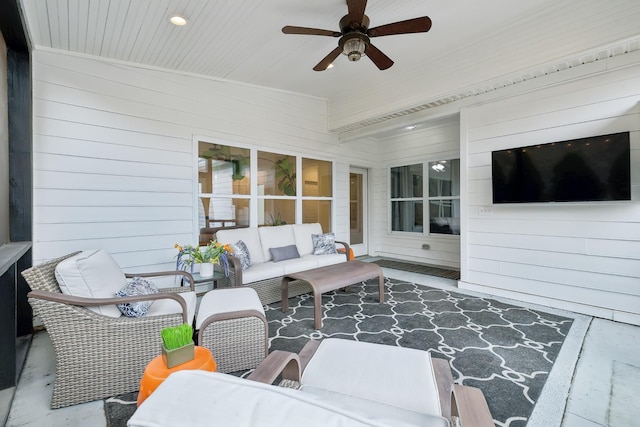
[(156, 371)]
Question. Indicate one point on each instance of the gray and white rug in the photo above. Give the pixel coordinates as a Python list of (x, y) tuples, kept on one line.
[(505, 350)]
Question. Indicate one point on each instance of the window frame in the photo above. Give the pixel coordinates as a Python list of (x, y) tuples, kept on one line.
[(425, 199), (253, 195)]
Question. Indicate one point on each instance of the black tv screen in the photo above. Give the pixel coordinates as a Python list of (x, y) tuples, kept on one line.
[(590, 169)]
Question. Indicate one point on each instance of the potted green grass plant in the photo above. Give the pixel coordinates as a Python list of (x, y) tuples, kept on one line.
[(177, 345)]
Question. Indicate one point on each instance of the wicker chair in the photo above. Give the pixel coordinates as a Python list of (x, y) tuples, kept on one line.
[(97, 356)]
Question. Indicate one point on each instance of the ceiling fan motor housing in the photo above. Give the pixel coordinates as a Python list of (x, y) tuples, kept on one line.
[(346, 26)]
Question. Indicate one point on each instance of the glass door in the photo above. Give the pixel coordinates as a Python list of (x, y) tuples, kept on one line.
[(358, 211)]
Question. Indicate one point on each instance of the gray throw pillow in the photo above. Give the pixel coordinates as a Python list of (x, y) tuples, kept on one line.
[(241, 252), (324, 244), (137, 286), (284, 252)]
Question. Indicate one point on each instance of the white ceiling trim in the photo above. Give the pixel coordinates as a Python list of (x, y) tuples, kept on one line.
[(593, 55)]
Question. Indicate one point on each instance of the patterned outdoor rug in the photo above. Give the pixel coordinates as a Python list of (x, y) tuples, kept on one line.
[(418, 268), (505, 350)]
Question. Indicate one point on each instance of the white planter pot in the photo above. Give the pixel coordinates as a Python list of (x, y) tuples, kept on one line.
[(206, 269)]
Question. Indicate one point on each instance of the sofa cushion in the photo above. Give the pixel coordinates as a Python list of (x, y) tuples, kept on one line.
[(249, 236), (92, 274), (343, 368), (323, 260), (200, 398), (283, 253), (324, 244), (302, 234), (169, 306), (275, 237), (136, 286), (306, 262), (263, 271), (241, 252)]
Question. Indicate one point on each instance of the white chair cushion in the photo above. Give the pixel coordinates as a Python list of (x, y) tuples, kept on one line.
[(212, 399), (228, 301), (249, 236), (302, 234), (275, 237), (396, 376), (169, 306), (92, 274), (375, 409)]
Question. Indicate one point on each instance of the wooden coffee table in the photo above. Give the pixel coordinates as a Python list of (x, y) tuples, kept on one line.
[(331, 278)]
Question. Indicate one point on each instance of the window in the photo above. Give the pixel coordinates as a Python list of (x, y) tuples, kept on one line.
[(276, 189), (317, 192), (227, 193), (408, 200), (444, 197), (224, 182)]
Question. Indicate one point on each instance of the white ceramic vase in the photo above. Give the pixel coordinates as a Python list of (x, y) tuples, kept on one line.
[(206, 269)]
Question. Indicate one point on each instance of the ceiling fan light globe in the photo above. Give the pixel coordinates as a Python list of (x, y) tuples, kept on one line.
[(354, 48)]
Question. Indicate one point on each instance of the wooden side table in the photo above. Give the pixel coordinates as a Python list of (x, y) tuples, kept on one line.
[(156, 371)]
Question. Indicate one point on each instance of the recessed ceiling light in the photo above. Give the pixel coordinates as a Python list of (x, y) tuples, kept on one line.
[(330, 66), (178, 20), (411, 127)]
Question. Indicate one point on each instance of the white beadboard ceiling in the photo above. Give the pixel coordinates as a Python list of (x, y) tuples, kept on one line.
[(472, 45)]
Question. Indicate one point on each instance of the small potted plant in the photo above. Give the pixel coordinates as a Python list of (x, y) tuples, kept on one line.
[(207, 256), (177, 345)]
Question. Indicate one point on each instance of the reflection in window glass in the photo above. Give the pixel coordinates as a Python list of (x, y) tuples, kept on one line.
[(444, 216), (406, 181), (223, 170), (444, 197), (444, 178), (317, 178), (317, 211), (276, 211), (407, 216), (223, 212), (276, 174)]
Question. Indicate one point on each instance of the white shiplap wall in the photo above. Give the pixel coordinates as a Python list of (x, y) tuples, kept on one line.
[(423, 144), (113, 152), (584, 256)]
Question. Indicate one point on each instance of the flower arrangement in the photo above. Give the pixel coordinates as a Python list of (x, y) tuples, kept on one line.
[(214, 253)]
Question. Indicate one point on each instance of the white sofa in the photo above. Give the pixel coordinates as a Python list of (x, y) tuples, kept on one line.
[(264, 275)]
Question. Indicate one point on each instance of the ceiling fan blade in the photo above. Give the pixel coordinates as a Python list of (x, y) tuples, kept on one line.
[(356, 11), (415, 25), (309, 31), (381, 60), (322, 65)]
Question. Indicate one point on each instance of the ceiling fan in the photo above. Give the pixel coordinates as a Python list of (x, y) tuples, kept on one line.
[(355, 35)]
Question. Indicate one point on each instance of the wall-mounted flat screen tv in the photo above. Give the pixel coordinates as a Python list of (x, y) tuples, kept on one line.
[(590, 169)]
